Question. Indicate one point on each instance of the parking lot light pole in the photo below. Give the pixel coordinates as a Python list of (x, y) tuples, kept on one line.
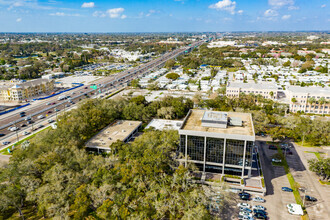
[(304, 197)]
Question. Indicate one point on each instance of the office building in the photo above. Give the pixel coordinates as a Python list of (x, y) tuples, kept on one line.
[(218, 142), (24, 90), (265, 89), (314, 99)]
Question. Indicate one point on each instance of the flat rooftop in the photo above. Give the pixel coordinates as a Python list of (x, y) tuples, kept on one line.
[(194, 123), (119, 130), (162, 124)]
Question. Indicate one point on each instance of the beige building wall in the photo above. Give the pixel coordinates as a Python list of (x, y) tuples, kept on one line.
[(264, 89), (25, 90), (299, 99)]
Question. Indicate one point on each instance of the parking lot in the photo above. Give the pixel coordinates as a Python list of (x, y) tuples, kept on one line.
[(275, 179)]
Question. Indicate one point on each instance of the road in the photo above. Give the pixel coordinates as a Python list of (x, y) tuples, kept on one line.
[(105, 84)]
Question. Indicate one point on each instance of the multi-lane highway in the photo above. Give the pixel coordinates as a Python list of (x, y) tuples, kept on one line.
[(52, 106)]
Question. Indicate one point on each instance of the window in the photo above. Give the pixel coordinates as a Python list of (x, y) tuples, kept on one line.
[(195, 148), (182, 146), (234, 152), (214, 150)]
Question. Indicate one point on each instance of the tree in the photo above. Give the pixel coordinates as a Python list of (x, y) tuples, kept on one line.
[(320, 167), (172, 76), (169, 64), (287, 63), (294, 100), (135, 83)]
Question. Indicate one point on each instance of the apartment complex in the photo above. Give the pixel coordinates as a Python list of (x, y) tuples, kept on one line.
[(265, 89), (24, 90), (218, 142), (314, 99)]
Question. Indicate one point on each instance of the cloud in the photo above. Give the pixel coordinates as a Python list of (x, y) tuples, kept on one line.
[(32, 4), (115, 12), (286, 17), (88, 5), (240, 12), (323, 6), (224, 5), (270, 13), (62, 14), (18, 19), (112, 13), (280, 3), (151, 12), (292, 7)]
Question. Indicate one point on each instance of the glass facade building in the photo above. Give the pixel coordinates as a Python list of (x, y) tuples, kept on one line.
[(217, 150)]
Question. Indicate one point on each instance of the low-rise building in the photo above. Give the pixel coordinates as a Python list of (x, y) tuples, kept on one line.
[(25, 90), (313, 99), (120, 130), (265, 89), (218, 142)]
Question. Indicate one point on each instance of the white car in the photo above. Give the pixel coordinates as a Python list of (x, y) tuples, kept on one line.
[(26, 133), (259, 207), (244, 205), (245, 217), (13, 129), (41, 117), (276, 160), (258, 199), (245, 214)]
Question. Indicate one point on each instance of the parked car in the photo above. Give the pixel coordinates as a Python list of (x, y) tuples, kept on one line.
[(275, 160), (244, 209), (48, 103), (5, 142), (49, 112), (246, 198), (245, 217), (259, 211), (287, 189), (272, 147), (51, 121), (260, 216), (258, 199), (12, 128), (244, 194), (310, 198), (26, 133), (28, 118), (56, 110), (23, 125), (67, 105), (1, 135), (30, 122), (245, 205), (245, 214), (40, 117), (39, 126), (22, 113), (258, 207)]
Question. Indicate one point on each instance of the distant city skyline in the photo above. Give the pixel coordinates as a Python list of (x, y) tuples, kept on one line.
[(163, 15)]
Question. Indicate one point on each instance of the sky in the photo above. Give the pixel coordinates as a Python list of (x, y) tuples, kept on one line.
[(163, 15)]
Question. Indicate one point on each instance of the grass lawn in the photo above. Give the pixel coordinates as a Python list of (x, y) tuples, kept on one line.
[(324, 182), (317, 154), (5, 151), (306, 144)]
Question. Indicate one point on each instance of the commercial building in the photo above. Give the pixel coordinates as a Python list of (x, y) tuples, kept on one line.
[(25, 90), (266, 90), (218, 142), (120, 130), (313, 99), (163, 124)]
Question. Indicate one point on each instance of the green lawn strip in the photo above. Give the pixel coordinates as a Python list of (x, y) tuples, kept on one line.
[(5, 151), (324, 182), (294, 185), (317, 154), (306, 144)]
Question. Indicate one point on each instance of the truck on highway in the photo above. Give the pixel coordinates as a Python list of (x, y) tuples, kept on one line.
[(61, 97)]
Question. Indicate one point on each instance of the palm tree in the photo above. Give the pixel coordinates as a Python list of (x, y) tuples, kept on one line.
[(311, 100), (294, 100), (322, 101), (271, 93)]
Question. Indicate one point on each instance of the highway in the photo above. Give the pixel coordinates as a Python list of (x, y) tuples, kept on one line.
[(47, 107)]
